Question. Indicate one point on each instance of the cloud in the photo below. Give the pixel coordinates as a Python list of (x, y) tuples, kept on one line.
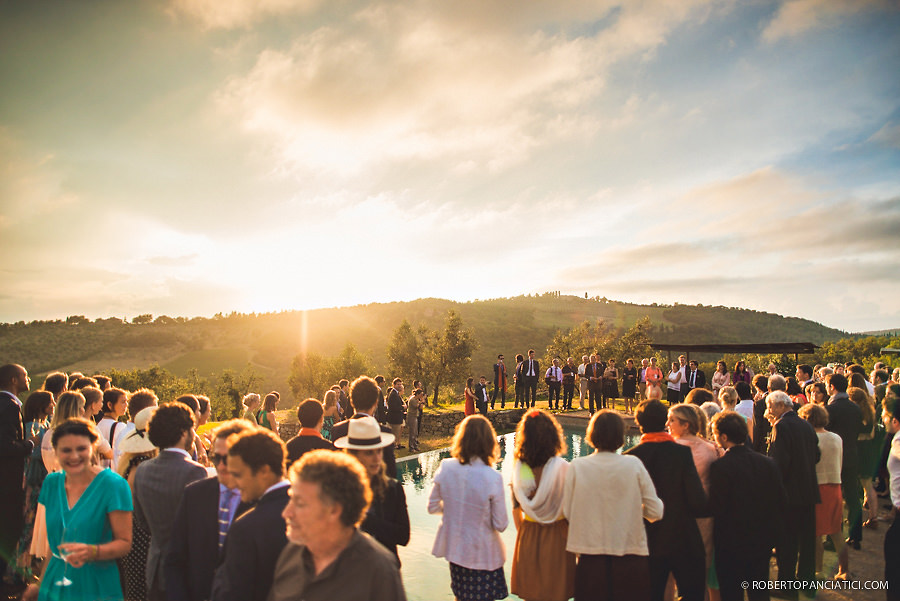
[(797, 17), (888, 135), (418, 83), (232, 14)]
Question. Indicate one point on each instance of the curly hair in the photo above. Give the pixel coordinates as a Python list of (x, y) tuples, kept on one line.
[(538, 438), (341, 479), (169, 424)]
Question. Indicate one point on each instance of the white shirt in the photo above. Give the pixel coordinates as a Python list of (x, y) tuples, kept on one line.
[(606, 498), (471, 499), (745, 408), (554, 372), (893, 465)]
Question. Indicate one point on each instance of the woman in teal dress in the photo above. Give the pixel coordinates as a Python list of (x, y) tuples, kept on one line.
[(88, 513), (266, 415)]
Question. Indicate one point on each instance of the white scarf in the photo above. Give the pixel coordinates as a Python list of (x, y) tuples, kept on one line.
[(542, 503)]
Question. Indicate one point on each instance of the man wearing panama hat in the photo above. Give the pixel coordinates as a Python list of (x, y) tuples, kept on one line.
[(364, 396)]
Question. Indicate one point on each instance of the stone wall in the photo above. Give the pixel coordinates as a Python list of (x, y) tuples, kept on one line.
[(444, 424)]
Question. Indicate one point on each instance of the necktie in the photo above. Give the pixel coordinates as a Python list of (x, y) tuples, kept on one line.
[(225, 515), (693, 379)]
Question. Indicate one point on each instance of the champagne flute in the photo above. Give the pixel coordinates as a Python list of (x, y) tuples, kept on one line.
[(63, 555)]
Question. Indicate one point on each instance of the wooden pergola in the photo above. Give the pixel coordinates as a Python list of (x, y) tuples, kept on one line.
[(785, 348)]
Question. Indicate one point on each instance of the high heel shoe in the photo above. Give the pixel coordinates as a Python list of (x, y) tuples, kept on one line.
[(871, 523)]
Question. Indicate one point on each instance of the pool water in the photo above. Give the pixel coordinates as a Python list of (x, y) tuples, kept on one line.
[(427, 578)]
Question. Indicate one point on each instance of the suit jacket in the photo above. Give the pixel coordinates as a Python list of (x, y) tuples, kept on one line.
[(481, 397), (13, 449), (299, 445), (339, 430), (497, 381), (746, 498), (394, 407), (594, 370), (537, 369), (671, 467), (845, 420), (795, 449), (699, 379), (252, 547), (193, 553), (159, 484)]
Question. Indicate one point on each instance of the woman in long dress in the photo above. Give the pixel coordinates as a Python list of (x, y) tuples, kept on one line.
[(37, 411), (88, 511), (542, 569), (688, 427), (136, 448), (470, 397)]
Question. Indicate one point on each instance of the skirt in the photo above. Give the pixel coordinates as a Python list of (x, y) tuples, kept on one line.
[(829, 512), (477, 585), (541, 550), (133, 566)]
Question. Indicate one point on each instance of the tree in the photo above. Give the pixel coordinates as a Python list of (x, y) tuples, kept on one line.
[(449, 357), (233, 386), (142, 319), (312, 374), (406, 351)]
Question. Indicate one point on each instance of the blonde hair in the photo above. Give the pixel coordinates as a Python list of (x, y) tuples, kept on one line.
[(728, 397)]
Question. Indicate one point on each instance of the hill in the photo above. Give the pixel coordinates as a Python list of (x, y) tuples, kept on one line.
[(269, 341)]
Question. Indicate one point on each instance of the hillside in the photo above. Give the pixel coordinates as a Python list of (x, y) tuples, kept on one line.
[(270, 341)]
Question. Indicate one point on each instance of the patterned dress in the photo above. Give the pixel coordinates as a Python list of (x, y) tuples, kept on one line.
[(35, 473), (134, 565)]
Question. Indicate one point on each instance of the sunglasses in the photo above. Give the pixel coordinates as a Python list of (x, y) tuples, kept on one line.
[(217, 458)]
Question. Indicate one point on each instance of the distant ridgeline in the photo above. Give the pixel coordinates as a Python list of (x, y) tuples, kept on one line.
[(268, 342)]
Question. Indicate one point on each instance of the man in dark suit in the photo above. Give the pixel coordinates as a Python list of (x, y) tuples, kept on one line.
[(499, 382), (396, 410), (255, 540), (845, 420), (159, 485), (364, 395), (593, 371), (795, 448), (311, 416), (761, 427), (746, 498), (674, 541), (531, 372), (14, 448), (481, 396), (695, 376), (204, 515)]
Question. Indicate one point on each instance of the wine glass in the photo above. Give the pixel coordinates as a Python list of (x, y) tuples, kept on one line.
[(63, 555)]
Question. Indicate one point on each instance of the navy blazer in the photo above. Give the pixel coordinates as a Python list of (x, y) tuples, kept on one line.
[(252, 547), (747, 499), (193, 553)]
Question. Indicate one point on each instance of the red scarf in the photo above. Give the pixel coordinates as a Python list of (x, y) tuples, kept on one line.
[(656, 437)]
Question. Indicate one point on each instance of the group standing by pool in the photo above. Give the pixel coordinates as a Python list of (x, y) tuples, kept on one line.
[(715, 484)]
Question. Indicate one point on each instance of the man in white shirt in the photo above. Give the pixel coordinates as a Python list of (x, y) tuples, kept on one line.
[(554, 379), (582, 381), (891, 419)]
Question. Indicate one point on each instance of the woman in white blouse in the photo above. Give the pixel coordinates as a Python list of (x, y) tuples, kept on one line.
[(606, 499), (468, 491)]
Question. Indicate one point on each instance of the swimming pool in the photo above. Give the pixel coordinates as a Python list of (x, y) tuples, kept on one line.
[(427, 578)]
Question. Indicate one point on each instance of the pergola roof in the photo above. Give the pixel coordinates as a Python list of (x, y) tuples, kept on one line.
[(794, 348)]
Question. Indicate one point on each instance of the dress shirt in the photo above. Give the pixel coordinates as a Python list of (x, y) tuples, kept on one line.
[(745, 408), (471, 498), (555, 372), (530, 371), (893, 465), (229, 499)]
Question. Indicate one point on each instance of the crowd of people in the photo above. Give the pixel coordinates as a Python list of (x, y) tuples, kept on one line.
[(112, 494)]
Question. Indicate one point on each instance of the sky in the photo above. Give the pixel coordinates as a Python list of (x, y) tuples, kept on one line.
[(186, 157)]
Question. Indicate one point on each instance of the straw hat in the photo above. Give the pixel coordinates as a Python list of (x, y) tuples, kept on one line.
[(137, 440), (364, 433)]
